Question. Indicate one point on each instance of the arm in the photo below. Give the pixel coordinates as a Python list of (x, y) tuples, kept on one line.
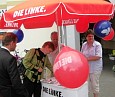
[(49, 65), (28, 59), (93, 58), (98, 54)]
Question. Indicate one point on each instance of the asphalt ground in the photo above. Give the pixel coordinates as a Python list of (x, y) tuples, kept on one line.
[(107, 79)]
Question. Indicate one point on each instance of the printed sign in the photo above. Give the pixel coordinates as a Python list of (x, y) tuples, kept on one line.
[(29, 11)]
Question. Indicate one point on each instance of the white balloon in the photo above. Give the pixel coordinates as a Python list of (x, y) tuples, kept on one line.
[(106, 31)]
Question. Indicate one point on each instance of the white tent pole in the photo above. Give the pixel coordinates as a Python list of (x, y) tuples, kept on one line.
[(60, 30)]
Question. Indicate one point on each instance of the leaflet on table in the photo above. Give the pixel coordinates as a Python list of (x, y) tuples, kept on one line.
[(51, 80)]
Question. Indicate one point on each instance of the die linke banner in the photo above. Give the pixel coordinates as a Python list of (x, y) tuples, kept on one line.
[(31, 12), (28, 13), (63, 12), (35, 11), (17, 25), (10, 25)]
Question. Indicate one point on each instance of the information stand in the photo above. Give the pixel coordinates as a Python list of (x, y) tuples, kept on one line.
[(53, 90)]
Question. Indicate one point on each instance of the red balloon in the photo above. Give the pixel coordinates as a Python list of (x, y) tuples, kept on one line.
[(110, 36), (71, 68), (82, 25)]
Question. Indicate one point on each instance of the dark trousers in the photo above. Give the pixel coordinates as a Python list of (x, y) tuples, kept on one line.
[(8, 92), (33, 87)]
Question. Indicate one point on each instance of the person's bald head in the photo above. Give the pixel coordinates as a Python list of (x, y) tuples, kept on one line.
[(54, 38)]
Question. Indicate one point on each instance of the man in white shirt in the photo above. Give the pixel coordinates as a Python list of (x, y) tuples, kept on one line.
[(52, 55), (54, 39)]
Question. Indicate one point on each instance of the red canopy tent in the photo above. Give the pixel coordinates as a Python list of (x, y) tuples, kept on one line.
[(43, 13), (9, 25)]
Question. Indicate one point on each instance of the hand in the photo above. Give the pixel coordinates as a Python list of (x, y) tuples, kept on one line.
[(40, 69)]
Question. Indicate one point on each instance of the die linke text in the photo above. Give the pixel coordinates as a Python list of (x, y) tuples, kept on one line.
[(62, 62), (29, 11)]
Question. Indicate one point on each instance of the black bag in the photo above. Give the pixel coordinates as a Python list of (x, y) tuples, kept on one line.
[(21, 67)]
